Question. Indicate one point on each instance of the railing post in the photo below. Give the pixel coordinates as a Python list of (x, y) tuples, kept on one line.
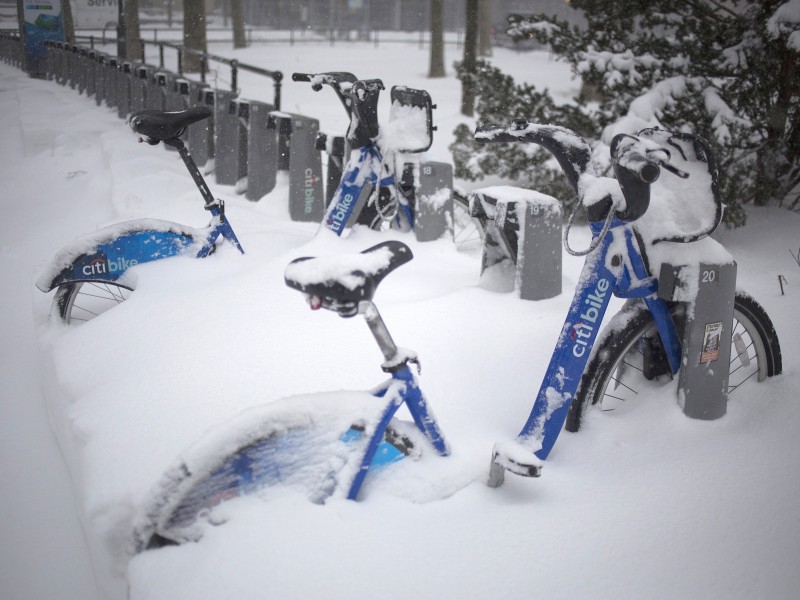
[(277, 77), (161, 56), (234, 75)]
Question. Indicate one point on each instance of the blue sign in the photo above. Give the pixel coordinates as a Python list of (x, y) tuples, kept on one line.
[(42, 21)]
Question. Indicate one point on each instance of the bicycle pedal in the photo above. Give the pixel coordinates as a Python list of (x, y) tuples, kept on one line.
[(513, 457)]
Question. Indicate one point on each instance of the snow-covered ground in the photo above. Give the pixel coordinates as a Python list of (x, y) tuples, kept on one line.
[(641, 503)]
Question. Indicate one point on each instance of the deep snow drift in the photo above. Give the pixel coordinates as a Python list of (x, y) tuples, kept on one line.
[(643, 502)]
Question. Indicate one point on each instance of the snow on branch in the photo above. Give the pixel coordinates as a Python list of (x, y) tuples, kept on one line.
[(646, 109), (521, 28), (618, 67), (785, 21)]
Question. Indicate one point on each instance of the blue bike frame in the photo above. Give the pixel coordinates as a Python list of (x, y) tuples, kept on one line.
[(402, 388), (360, 179), (605, 272)]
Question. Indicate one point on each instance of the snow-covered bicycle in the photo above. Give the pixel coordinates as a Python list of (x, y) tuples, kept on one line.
[(630, 240), (380, 178), (322, 444), (92, 272)]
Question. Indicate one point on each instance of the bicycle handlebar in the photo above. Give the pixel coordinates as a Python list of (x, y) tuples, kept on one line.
[(569, 149), (637, 163), (643, 159), (644, 168)]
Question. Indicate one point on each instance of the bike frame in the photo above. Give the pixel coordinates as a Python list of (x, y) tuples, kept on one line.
[(402, 389), (615, 267), (362, 175)]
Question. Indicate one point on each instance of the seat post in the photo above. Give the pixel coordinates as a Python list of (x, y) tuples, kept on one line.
[(378, 328), (178, 144)]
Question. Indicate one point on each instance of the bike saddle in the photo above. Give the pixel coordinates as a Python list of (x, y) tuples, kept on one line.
[(340, 282), (159, 125)]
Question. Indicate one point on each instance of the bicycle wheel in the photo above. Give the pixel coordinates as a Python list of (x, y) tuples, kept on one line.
[(85, 300), (468, 231), (631, 359)]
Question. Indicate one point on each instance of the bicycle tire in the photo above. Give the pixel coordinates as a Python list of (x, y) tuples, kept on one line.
[(84, 300), (618, 356)]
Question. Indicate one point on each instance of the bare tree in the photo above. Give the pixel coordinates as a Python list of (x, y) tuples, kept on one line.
[(131, 47), (437, 39), (194, 32), (69, 23), (485, 27), (468, 65), (237, 16)]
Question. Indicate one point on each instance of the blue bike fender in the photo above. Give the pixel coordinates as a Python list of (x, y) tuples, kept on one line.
[(107, 254)]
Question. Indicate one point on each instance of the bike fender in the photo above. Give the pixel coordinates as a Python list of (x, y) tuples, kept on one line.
[(106, 255)]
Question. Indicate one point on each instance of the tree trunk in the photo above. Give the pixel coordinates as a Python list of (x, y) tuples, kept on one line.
[(133, 45), (485, 27), (194, 33), (437, 39), (237, 16), (470, 58), (69, 24), (772, 160)]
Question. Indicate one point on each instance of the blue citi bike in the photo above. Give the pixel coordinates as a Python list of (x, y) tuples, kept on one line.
[(378, 183), (369, 192), (642, 342), (323, 445), (92, 273)]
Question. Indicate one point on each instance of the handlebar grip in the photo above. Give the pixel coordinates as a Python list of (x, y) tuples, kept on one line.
[(644, 168), (301, 77)]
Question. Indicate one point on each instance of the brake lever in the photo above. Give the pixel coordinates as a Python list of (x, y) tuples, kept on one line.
[(674, 170)]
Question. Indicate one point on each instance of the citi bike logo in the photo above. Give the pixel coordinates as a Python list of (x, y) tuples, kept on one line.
[(100, 265), (309, 186), (583, 330), (339, 214)]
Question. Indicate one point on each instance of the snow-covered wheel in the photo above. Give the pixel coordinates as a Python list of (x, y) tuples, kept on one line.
[(83, 301), (615, 373)]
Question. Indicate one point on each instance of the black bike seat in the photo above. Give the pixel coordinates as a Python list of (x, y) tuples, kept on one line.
[(342, 281), (161, 125)]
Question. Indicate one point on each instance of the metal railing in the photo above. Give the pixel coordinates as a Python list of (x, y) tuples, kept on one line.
[(205, 57), (11, 50)]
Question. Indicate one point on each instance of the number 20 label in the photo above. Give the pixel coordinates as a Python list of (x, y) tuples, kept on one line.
[(709, 276)]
